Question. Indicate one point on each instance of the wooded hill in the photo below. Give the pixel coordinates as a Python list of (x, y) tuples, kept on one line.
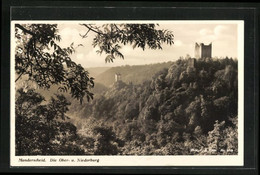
[(189, 108)]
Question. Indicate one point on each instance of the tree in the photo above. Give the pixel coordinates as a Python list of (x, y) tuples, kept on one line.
[(105, 143), (39, 56), (25, 122), (42, 129), (223, 140), (110, 36)]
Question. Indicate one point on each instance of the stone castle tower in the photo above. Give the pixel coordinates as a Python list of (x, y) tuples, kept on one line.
[(117, 77), (202, 50)]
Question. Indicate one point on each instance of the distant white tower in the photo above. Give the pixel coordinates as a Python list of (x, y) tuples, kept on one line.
[(117, 77)]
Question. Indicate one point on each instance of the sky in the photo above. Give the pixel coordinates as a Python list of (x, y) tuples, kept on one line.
[(222, 35)]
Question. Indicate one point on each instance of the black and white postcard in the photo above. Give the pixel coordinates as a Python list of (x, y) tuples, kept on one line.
[(127, 93)]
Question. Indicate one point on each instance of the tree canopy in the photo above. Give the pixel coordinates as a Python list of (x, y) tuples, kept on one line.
[(41, 128)]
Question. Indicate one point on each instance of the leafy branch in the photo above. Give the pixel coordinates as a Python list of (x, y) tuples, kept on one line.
[(50, 67), (110, 38)]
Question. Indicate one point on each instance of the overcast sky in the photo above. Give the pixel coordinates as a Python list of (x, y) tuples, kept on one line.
[(223, 36)]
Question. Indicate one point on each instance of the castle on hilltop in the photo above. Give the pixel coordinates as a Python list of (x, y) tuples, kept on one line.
[(202, 50)]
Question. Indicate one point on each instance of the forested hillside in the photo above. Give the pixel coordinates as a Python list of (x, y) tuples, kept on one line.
[(135, 74), (189, 108)]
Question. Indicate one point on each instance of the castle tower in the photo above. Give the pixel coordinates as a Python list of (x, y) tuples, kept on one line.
[(202, 50), (117, 77)]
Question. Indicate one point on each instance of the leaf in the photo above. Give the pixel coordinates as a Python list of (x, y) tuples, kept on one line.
[(109, 58)]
